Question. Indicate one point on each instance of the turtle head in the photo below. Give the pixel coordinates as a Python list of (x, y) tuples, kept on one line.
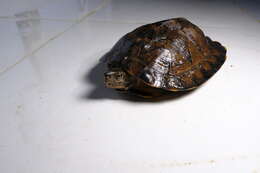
[(117, 80)]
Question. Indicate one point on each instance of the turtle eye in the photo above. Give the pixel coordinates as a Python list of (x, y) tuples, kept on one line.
[(118, 76)]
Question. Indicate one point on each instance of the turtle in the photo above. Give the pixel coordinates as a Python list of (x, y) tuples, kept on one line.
[(159, 58)]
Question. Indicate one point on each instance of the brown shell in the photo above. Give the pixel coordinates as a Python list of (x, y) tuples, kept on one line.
[(172, 54)]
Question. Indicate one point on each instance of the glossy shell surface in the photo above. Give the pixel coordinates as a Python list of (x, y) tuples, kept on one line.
[(173, 55)]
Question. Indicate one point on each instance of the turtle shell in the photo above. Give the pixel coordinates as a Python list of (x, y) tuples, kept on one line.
[(173, 55)]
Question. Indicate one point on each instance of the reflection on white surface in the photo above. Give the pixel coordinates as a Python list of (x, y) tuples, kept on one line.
[(28, 25), (63, 26), (56, 116), (249, 7), (82, 4)]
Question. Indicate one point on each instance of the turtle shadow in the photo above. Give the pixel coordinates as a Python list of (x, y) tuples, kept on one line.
[(95, 76)]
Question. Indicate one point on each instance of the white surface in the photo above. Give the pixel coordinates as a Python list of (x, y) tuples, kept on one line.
[(57, 117)]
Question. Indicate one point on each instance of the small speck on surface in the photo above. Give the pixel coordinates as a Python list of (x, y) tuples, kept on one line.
[(19, 106), (212, 161)]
